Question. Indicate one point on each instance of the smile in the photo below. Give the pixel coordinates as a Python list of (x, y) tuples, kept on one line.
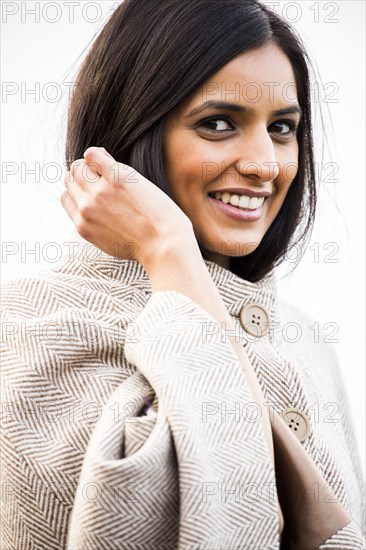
[(242, 201), (239, 207)]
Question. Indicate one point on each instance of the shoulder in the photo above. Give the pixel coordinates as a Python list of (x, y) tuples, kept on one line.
[(310, 330), (309, 343), (103, 284), (290, 312)]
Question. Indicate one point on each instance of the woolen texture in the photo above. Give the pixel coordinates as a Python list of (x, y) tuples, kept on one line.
[(87, 463)]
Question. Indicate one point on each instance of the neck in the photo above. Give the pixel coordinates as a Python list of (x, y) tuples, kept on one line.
[(219, 259)]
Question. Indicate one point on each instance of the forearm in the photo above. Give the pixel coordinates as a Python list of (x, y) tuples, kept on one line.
[(179, 266)]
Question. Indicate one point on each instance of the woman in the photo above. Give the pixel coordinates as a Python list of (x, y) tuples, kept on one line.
[(151, 399)]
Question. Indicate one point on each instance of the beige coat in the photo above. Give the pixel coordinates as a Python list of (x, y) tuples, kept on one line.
[(128, 421)]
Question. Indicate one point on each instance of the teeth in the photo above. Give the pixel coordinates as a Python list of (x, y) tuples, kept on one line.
[(225, 197), (234, 200), (241, 201), (254, 202), (244, 201)]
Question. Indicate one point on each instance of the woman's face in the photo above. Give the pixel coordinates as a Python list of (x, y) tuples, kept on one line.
[(229, 166)]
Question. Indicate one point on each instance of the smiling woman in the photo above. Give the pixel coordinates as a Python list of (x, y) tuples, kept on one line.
[(205, 67), (191, 172), (251, 149)]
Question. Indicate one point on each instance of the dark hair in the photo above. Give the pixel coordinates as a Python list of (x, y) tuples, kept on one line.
[(149, 57)]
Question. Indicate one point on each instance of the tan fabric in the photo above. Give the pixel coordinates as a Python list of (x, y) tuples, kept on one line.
[(86, 346)]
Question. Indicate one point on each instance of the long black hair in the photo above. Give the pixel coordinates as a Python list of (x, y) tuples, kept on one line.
[(149, 57)]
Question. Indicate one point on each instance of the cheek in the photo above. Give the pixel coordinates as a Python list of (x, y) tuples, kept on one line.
[(188, 163), (288, 174), (288, 168), (178, 154)]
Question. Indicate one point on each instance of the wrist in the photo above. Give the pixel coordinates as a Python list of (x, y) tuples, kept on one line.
[(179, 248)]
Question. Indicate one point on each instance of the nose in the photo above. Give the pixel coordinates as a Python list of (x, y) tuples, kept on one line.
[(256, 158)]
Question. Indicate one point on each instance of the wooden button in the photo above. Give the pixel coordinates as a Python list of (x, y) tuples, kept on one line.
[(255, 319), (297, 422)]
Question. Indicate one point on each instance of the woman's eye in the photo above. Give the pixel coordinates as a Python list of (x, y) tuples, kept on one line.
[(284, 127), (216, 124)]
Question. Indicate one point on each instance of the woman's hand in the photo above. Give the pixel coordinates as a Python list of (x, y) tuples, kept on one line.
[(120, 211)]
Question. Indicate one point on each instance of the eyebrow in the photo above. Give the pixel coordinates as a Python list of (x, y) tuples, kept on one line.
[(223, 105)]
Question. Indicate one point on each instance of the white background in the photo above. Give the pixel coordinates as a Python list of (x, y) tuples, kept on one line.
[(47, 46)]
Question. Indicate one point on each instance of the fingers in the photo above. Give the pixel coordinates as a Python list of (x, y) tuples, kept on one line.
[(75, 184), (101, 161), (82, 227), (70, 206), (84, 179), (84, 173)]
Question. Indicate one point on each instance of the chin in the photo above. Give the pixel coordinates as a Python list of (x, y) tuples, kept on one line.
[(228, 248)]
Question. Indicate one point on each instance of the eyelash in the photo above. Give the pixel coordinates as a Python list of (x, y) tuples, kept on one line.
[(290, 123)]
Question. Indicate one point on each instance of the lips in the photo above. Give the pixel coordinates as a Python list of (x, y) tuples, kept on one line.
[(240, 201), (241, 191), (237, 213)]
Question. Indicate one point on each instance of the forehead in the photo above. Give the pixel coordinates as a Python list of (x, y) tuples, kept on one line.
[(254, 78)]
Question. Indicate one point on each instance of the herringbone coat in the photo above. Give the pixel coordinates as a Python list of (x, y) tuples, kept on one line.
[(87, 463)]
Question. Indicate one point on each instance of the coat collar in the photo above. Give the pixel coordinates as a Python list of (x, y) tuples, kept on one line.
[(235, 291)]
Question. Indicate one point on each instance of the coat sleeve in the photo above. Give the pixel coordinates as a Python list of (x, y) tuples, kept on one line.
[(193, 472), (349, 538), (350, 438), (203, 476)]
